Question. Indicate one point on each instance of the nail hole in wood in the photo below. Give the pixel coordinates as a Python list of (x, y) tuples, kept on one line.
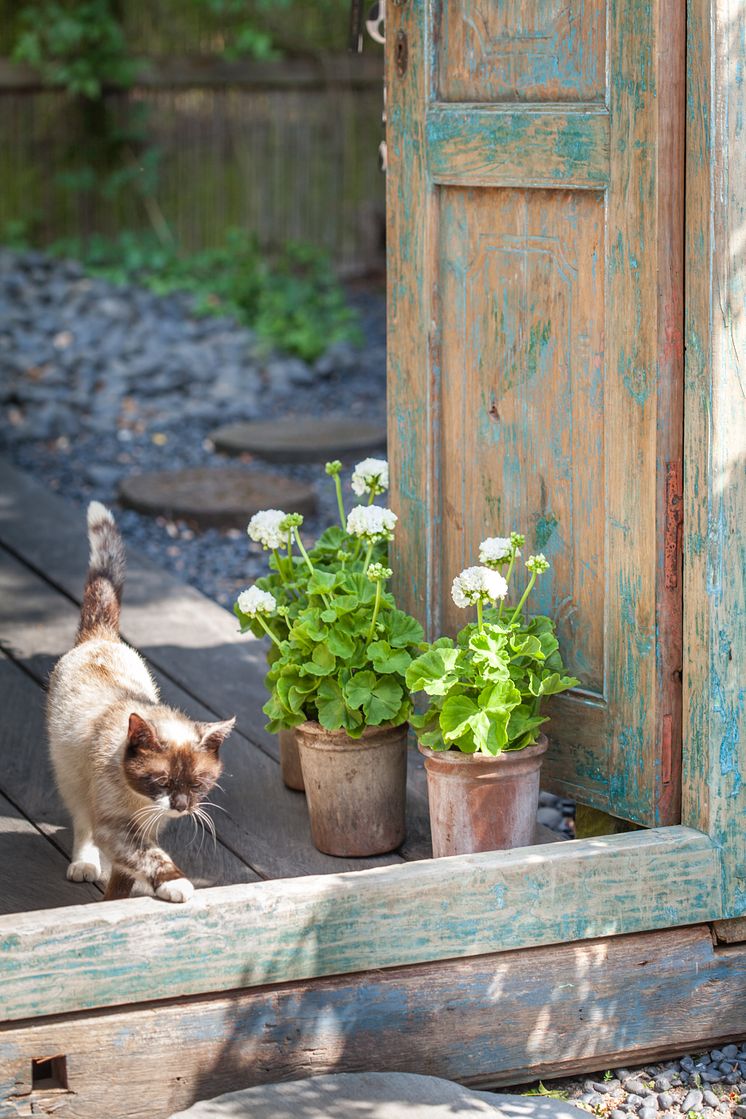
[(48, 1074), (494, 413)]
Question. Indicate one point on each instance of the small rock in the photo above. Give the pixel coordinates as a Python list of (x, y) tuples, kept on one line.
[(663, 1084), (692, 1100), (549, 817), (716, 1055), (617, 1114), (635, 1100), (665, 1100), (740, 1110), (648, 1113), (730, 1051), (634, 1085), (591, 1098), (604, 1087), (710, 1099)]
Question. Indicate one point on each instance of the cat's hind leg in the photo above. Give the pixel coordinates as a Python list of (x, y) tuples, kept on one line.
[(88, 864)]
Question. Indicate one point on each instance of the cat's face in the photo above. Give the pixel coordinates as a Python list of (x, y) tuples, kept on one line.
[(175, 765)]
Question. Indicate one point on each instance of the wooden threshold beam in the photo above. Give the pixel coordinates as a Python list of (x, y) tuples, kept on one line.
[(271, 932), (488, 1021)]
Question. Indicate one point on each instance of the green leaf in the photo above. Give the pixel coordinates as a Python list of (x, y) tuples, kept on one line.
[(331, 706), (456, 716), (341, 639), (401, 628), (321, 582), (379, 697), (434, 672), (551, 684), (322, 662), (387, 660)]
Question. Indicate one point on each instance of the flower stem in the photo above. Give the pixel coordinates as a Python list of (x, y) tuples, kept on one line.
[(524, 596), (340, 502), (279, 562), (480, 625), (511, 565), (368, 554), (372, 497), (303, 551), (267, 630), (376, 608)]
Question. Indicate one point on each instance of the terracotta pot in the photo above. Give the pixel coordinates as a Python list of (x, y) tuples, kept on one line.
[(292, 774), (355, 788), (481, 803)]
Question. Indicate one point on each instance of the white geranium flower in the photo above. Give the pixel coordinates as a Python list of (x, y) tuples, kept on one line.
[(478, 584), (264, 528), (370, 476), (371, 522), (495, 550), (255, 601)]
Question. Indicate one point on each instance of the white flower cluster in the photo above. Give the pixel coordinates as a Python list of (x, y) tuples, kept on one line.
[(255, 601), (478, 584), (265, 529), (371, 523), (495, 550), (370, 476)]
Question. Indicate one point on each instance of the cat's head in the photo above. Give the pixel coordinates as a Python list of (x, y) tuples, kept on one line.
[(173, 761)]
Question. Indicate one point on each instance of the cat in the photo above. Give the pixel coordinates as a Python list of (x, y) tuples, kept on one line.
[(124, 762)]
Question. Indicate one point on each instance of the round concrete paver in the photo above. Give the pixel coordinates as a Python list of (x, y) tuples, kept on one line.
[(208, 497), (301, 439), (374, 1095)]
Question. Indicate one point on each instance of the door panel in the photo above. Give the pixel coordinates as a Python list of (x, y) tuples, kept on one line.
[(522, 50), (534, 346)]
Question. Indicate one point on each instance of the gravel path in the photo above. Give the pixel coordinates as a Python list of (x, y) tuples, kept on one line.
[(698, 1086), (98, 381)]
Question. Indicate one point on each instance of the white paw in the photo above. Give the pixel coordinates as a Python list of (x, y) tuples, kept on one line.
[(178, 889), (82, 871)]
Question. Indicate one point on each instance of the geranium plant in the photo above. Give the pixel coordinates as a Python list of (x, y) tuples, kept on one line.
[(340, 646), (485, 688)]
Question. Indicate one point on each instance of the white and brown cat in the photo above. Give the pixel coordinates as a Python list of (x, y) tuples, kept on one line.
[(124, 761)]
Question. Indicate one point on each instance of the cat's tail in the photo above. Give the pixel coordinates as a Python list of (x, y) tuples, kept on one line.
[(99, 615)]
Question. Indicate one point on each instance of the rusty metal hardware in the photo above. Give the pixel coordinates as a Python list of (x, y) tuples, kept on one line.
[(401, 53), (674, 525)]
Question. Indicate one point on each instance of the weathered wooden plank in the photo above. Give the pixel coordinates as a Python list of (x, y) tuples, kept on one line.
[(715, 441), (730, 932), (262, 826), (512, 145), (272, 932), (484, 1022), (211, 70), (32, 870)]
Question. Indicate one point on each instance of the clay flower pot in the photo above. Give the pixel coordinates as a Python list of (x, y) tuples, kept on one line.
[(355, 788), (292, 774), (483, 803)]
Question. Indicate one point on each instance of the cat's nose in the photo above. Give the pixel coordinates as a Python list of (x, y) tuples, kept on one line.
[(180, 802)]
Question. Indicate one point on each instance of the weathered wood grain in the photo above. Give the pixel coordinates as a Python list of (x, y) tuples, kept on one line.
[(507, 145), (32, 870), (301, 928), (535, 348), (503, 1018), (715, 440), (262, 827)]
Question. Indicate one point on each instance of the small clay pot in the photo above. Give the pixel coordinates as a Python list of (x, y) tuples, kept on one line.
[(292, 774), (355, 788), (483, 803)]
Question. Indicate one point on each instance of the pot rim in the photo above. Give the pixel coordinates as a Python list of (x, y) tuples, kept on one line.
[(457, 757), (312, 735)]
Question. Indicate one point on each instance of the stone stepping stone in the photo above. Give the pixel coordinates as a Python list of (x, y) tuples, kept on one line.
[(214, 497), (301, 439), (375, 1095)]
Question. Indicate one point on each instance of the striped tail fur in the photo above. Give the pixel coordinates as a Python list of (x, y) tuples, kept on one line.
[(99, 615)]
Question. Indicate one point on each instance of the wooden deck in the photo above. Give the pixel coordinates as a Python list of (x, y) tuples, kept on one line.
[(202, 665)]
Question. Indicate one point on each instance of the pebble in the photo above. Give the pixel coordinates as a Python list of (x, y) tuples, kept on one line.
[(692, 1100), (634, 1086), (616, 1113), (665, 1100), (648, 1113), (710, 1099)]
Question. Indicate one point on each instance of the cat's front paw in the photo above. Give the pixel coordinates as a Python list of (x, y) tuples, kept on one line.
[(178, 889), (82, 871)]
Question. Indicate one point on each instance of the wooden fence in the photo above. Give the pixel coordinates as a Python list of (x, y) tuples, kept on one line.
[(288, 150)]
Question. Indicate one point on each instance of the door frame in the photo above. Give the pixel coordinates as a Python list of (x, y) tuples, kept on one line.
[(271, 932)]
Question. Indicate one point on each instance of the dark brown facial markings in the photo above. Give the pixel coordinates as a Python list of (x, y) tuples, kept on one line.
[(153, 768)]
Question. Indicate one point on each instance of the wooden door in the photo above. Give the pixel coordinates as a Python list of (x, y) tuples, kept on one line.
[(535, 202)]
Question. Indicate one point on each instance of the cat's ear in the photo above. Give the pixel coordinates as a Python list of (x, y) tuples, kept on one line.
[(215, 734), (140, 735)]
